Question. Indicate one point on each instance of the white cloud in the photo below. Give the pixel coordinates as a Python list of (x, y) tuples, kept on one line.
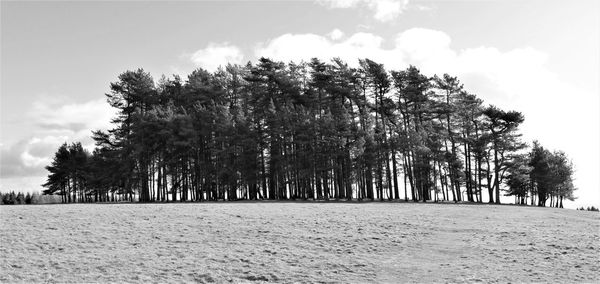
[(429, 49), (72, 118), (421, 46), (31, 161), (55, 122), (336, 34), (290, 47), (340, 3), (505, 74), (37, 152), (387, 10), (383, 10), (297, 47), (217, 54), (29, 157)]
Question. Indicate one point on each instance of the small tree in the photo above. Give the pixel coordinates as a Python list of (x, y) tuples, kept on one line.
[(20, 199), (35, 198), (518, 178), (10, 198)]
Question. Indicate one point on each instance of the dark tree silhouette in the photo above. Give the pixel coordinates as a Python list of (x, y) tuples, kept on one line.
[(309, 130)]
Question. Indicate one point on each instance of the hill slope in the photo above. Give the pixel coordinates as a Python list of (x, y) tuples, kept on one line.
[(372, 242)]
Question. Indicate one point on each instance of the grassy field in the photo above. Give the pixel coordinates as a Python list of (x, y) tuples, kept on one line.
[(291, 242)]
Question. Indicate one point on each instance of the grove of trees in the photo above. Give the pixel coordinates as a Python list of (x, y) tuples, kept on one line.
[(313, 130), (12, 198)]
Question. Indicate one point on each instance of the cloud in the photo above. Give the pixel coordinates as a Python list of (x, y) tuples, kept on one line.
[(383, 10), (297, 47), (217, 54), (336, 34), (340, 3), (500, 75), (10, 161), (38, 151), (290, 47), (420, 45), (28, 157), (387, 10), (55, 122), (72, 117)]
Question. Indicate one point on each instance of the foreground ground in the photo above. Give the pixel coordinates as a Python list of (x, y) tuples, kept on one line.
[(292, 242)]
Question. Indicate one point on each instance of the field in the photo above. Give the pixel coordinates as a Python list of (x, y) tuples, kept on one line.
[(297, 242)]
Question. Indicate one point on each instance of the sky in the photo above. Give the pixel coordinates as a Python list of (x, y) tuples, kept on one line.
[(57, 59)]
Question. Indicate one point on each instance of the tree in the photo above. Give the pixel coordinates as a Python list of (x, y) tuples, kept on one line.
[(68, 172), (451, 88), (563, 187), (413, 91), (505, 141), (518, 179), (551, 174), (378, 79), (20, 199), (9, 198), (132, 96)]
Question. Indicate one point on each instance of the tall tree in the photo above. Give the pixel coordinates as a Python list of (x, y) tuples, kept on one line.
[(505, 141)]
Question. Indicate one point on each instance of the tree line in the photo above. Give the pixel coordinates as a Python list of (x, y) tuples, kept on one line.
[(12, 198), (309, 130)]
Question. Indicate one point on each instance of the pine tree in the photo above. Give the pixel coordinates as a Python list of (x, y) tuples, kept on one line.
[(505, 141)]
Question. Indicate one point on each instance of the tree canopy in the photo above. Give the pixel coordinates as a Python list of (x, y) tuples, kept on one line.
[(309, 130)]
